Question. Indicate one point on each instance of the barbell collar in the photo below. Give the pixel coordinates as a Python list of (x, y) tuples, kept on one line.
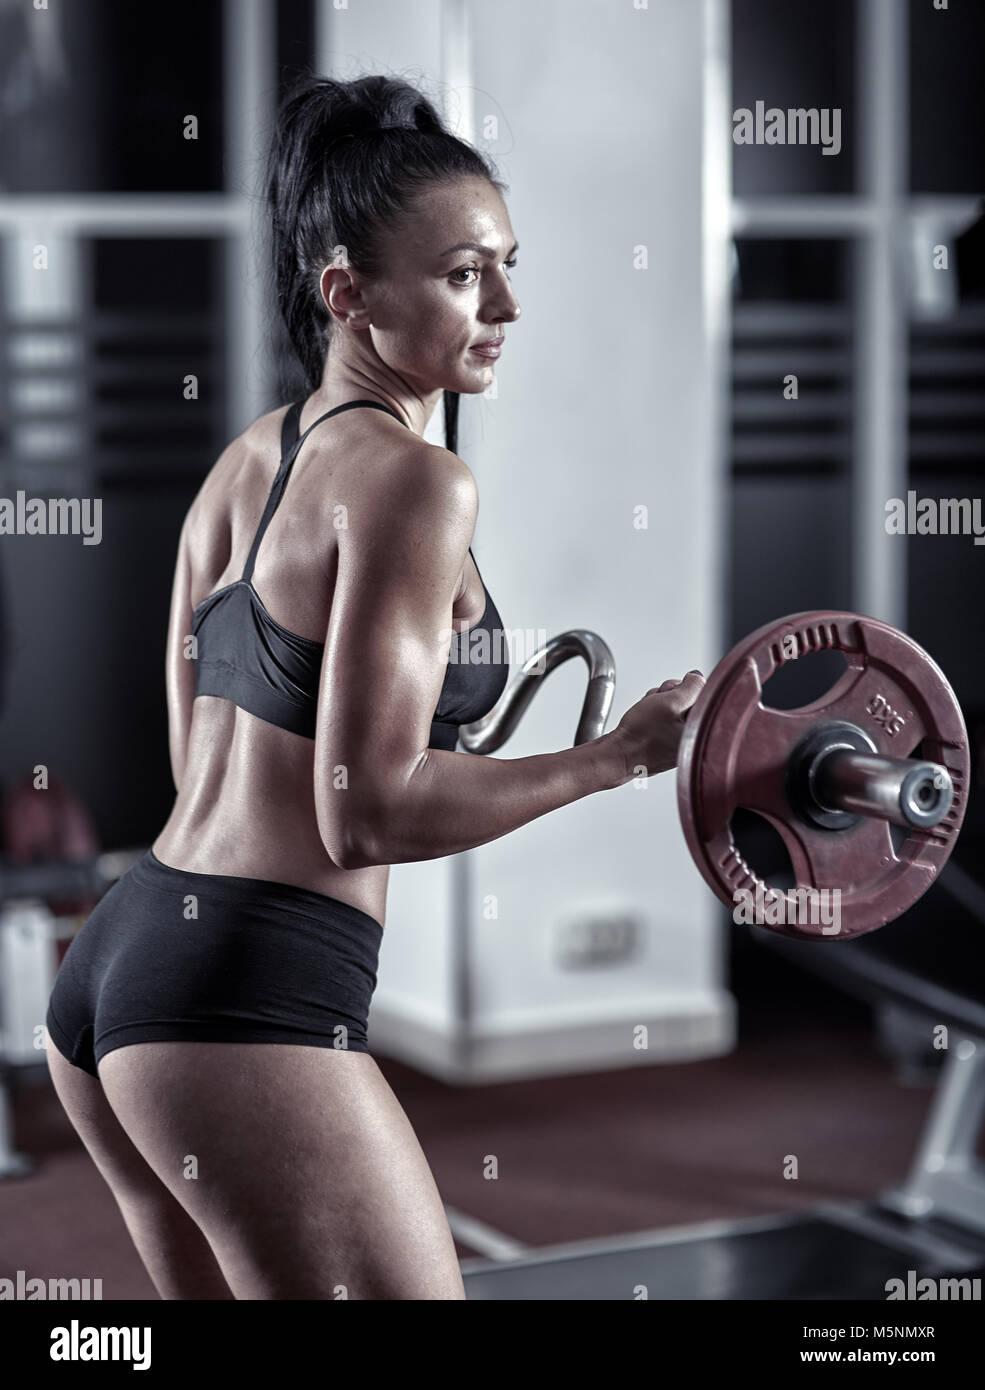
[(905, 791)]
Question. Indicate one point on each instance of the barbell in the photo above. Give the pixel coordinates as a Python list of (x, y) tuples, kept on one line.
[(831, 777)]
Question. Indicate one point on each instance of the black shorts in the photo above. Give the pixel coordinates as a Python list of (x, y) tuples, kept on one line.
[(173, 956)]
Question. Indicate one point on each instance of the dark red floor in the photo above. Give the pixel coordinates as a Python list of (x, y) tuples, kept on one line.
[(578, 1157)]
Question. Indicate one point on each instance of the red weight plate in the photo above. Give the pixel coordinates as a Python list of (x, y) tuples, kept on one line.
[(735, 753)]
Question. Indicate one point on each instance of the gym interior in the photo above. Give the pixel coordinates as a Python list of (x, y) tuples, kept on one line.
[(749, 375)]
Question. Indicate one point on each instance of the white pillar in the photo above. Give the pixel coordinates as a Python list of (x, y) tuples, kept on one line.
[(249, 88)]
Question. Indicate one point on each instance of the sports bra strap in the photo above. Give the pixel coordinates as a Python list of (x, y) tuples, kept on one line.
[(289, 430), (290, 443)]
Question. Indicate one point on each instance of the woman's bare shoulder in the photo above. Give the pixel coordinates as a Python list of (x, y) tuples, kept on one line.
[(249, 448)]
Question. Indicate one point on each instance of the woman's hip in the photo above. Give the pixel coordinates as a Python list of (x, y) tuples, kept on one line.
[(172, 955)]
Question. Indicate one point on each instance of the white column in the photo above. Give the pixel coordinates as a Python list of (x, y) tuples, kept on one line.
[(249, 41), (716, 217)]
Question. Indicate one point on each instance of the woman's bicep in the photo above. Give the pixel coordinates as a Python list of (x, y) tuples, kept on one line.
[(387, 649)]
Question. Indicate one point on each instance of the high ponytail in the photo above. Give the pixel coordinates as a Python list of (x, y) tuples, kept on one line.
[(344, 162)]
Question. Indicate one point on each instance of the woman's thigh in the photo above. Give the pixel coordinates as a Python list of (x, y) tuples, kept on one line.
[(297, 1162)]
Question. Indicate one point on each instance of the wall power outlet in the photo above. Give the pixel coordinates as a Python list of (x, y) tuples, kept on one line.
[(596, 939)]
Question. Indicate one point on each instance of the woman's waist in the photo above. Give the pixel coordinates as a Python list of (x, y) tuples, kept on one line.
[(280, 852)]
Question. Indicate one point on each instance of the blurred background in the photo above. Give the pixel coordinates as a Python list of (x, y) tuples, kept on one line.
[(643, 473)]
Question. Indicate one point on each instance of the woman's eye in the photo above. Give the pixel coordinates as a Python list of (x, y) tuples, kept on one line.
[(474, 270)]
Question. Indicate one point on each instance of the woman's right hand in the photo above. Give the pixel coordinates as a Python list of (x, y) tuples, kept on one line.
[(650, 731)]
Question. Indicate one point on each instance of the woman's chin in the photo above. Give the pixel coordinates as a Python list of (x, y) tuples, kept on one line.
[(476, 381)]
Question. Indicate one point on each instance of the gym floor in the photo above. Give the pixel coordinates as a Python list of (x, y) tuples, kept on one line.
[(580, 1157)]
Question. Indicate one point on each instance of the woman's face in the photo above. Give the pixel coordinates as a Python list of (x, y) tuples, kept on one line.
[(445, 288)]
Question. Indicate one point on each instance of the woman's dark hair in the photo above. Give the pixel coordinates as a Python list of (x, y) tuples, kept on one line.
[(344, 161)]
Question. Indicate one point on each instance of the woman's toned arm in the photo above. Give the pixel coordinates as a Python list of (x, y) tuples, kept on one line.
[(455, 801), (382, 796)]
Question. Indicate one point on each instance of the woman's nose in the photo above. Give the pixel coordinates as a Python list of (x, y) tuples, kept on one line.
[(510, 310)]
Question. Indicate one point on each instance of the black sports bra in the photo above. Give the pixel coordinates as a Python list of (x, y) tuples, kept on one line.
[(245, 656)]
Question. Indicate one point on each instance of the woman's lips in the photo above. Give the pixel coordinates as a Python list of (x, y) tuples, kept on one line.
[(488, 349)]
